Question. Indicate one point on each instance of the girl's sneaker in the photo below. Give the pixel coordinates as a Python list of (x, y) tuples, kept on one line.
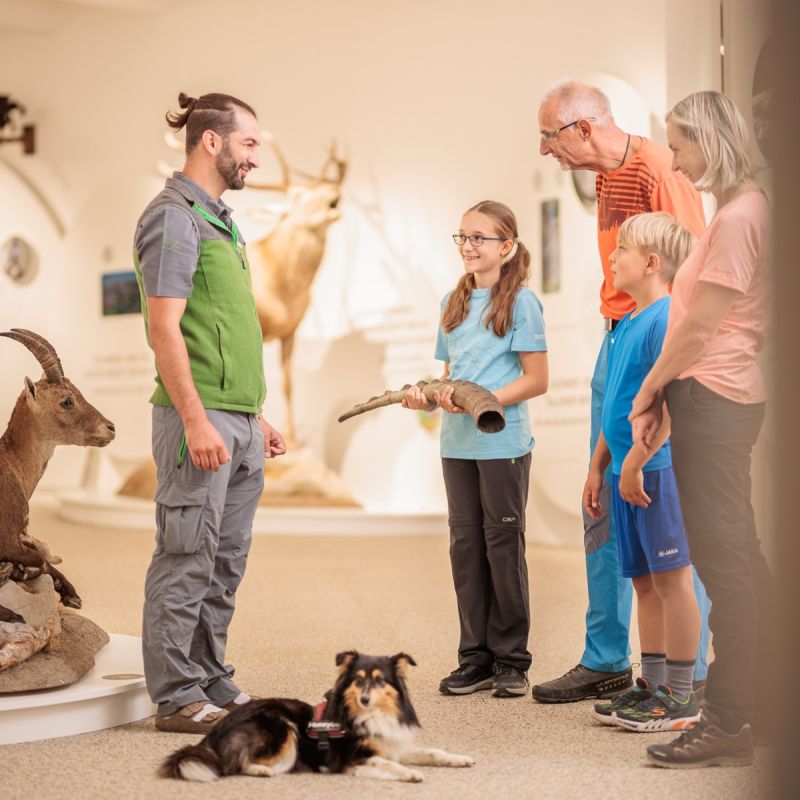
[(466, 679), (604, 712), (661, 712), (509, 681)]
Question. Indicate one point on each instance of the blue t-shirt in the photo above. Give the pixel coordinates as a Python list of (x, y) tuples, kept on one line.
[(635, 345), (475, 353)]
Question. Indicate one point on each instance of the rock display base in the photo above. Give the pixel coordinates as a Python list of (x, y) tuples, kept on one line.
[(299, 478), (80, 640), (30, 621)]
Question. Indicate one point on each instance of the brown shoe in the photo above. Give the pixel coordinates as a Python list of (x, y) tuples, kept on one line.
[(233, 705), (183, 720)]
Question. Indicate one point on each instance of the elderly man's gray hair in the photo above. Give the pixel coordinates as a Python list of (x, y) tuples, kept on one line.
[(576, 100)]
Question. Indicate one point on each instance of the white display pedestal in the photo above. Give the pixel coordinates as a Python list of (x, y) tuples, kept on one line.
[(112, 693), (104, 509)]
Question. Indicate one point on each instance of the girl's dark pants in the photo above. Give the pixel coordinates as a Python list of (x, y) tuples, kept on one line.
[(486, 504)]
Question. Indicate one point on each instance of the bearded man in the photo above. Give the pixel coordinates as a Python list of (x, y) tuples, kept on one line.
[(209, 438)]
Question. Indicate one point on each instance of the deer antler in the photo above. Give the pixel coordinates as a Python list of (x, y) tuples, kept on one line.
[(335, 160), (174, 143), (43, 351), (478, 402), (284, 185)]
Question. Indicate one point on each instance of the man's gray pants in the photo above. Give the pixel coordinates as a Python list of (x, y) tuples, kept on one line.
[(204, 524)]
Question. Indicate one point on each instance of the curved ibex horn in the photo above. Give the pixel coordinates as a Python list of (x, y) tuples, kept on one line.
[(478, 402), (43, 351), (42, 340)]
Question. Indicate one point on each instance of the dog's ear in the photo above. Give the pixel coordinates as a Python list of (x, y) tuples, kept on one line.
[(401, 662), (345, 659)]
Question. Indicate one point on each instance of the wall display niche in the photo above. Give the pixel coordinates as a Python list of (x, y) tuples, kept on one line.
[(584, 182), (19, 260), (551, 250)]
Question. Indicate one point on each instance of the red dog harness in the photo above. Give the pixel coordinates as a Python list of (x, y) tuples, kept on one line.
[(322, 729)]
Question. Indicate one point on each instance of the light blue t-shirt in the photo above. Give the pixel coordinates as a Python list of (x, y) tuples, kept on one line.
[(635, 345), (475, 353)]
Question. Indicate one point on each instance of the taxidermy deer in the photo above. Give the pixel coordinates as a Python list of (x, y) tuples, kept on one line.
[(285, 262), (49, 412), (478, 402)]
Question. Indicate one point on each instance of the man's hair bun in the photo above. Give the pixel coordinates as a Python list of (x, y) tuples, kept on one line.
[(185, 101)]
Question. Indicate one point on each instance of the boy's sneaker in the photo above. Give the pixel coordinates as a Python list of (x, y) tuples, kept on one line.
[(509, 681), (468, 678), (604, 712), (705, 745), (661, 712), (581, 683)]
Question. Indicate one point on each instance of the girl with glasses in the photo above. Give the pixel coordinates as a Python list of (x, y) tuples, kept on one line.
[(492, 333)]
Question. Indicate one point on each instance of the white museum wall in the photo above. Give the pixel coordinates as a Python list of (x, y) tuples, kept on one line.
[(435, 105)]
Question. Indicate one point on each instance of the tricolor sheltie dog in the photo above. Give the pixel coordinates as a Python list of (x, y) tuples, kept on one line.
[(365, 728)]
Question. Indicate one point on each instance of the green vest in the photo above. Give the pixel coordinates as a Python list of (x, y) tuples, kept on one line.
[(220, 324)]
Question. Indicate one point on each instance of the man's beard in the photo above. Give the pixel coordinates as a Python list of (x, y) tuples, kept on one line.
[(228, 168)]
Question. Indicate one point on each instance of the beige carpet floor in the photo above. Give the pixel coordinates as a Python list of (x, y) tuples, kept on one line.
[(305, 599)]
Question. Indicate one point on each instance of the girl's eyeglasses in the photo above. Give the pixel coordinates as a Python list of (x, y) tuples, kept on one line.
[(477, 240)]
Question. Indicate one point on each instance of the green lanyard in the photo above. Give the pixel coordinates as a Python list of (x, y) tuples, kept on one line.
[(233, 230)]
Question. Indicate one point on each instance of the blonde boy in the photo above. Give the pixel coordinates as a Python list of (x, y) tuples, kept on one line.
[(651, 539)]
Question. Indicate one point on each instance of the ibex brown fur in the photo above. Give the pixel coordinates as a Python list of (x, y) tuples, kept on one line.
[(47, 413)]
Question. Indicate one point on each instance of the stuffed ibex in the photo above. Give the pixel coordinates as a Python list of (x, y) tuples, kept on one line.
[(285, 262), (478, 402), (47, 413)]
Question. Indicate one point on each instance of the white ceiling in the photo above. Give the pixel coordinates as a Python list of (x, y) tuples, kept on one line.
[(124, 5), (47, 16)]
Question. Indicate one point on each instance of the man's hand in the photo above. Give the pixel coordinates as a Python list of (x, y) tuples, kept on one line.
[(591, 494), (273, 441), (205, 445), (631, 486)]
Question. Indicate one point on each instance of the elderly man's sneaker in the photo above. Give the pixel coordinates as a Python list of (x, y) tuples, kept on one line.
[(705, 745), (582, 683), (468, 678), (509, 681), (604, 712)]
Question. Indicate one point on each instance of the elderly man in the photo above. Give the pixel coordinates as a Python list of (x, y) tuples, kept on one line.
[(634, 176)]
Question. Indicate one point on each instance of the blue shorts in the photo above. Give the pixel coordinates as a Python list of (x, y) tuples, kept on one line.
[(650, 539)]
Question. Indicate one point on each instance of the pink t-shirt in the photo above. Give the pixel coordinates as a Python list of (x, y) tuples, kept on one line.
[(732, 253)]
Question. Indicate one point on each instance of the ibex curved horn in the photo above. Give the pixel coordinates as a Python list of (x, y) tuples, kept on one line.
[(43, 351), (478, 402)]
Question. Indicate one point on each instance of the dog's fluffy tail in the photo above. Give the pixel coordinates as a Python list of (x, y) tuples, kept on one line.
[(196, 762)]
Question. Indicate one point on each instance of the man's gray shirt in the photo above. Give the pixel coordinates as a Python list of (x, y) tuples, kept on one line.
[(168, 243)]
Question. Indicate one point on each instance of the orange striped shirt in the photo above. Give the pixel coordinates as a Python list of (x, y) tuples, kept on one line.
[(646, 183)]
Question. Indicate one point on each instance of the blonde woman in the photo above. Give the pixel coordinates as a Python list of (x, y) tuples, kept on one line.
[(709, 377)]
